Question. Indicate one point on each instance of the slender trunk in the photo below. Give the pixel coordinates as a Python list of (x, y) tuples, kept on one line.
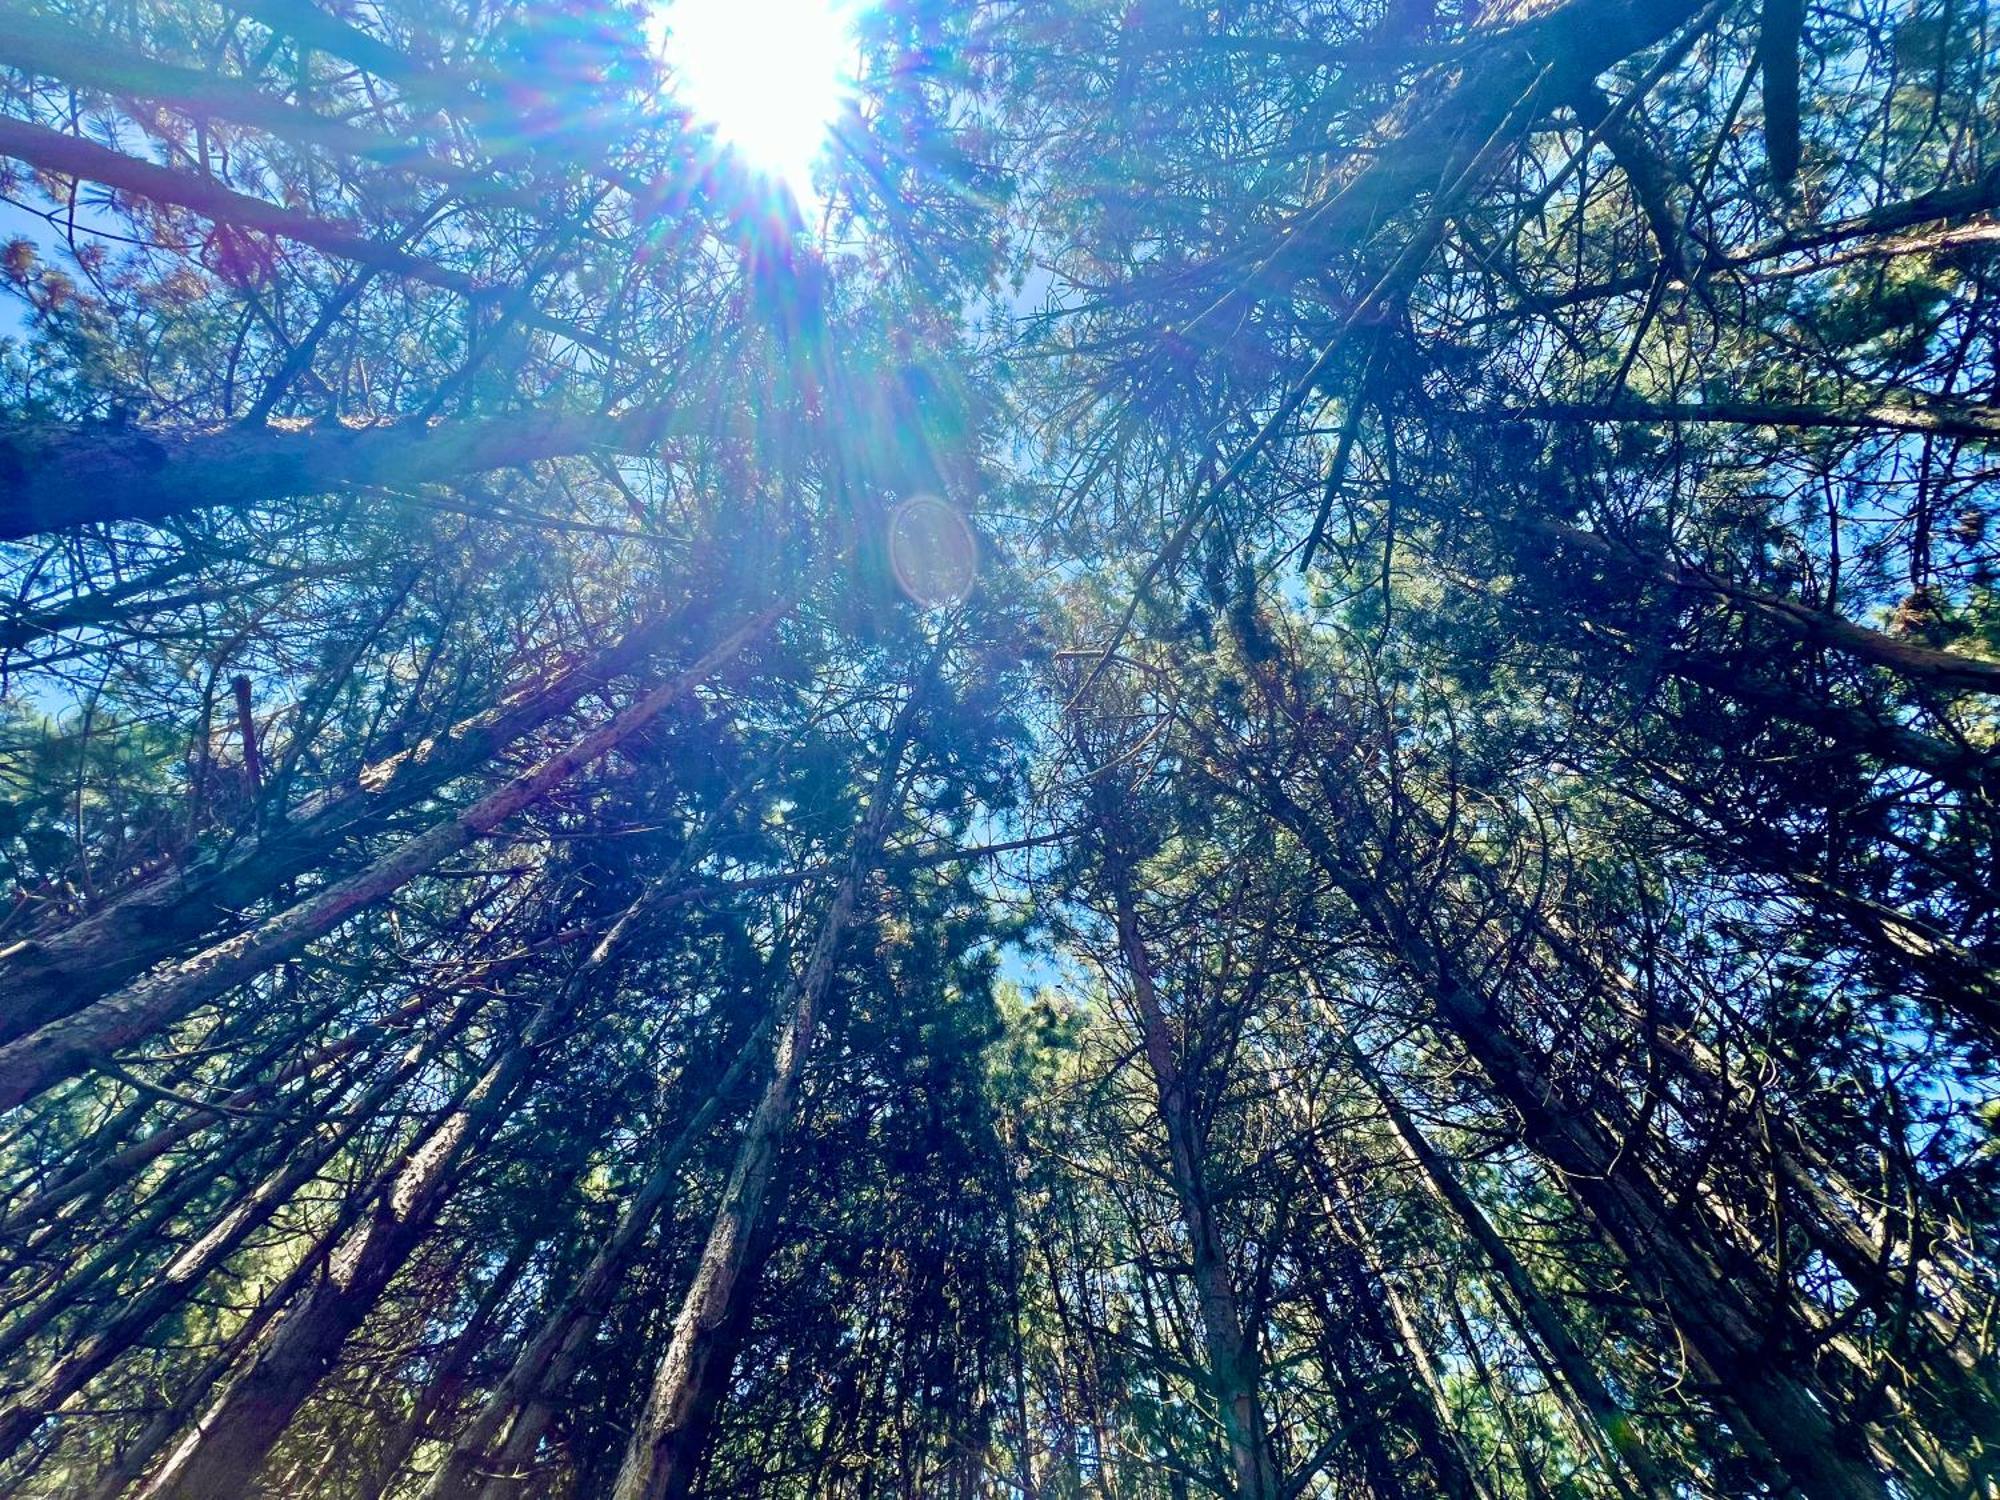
[(52, 975), (541, 1370), (121, 1166), (67, 155), (1889, 412), (1502, 1402), (1855, 731), (1231, 1356), (656, 1457), (1412, 1405), (1835, 1212), (1612, 1431), (447, 1381), (691, 1439), (228, 1445), (1879, 225), (190, 1392), (139, 1310), (1456, 1465), (64, 1048), (1788, 1425)]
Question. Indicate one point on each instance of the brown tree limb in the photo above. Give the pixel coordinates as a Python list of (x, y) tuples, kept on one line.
[(55, 474), (67, 155), (69, 1046)]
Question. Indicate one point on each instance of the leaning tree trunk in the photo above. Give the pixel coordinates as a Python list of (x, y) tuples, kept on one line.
[(542, 1369), (229, 1443), (73, 1045), (657, 1457), (447, 1381), (186, 1273), (1428, 1403), (171, 1422), (1787, 1426), (51, 975), (1231, 1355), (1610, 1429)]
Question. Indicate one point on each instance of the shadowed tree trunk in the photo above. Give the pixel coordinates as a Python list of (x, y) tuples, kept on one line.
[(64, 1048), (1231, 1354), (54, 474), (51, 975), (540, 1372), (229, 1442), (657, 1457)]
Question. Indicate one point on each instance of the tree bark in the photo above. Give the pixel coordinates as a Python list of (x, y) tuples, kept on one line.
[(1786, 1424), (657, 1457), (1614, 1434), (228, 1445), (64, 1048), (542, 1369), (1778, 39), (184, 1275), (51, 975), (56, 474), (65, 155), (1230, 1354)]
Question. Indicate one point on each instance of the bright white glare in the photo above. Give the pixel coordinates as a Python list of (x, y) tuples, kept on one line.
[(771, 76)]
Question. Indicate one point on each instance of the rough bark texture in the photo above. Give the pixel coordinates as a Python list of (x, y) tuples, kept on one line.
[(56, 474), (541, 1370), (657, 1456), (64, 1048), (1232, 1358), (54, 974), (1724, 1328), (223, 1452)]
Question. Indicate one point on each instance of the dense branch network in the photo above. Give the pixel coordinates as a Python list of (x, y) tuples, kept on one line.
[(1427, 926)]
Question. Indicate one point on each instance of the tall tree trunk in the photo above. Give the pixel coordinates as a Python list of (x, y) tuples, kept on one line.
[(1231, 1356), (51, 975), (1789, 1426), (189, 1393), (656, 1457), (1611, 1430), (448, 1379), (74, 1044), (100, 1177), (542, 1369), (1430, 1405), (228, 1445), (186, 1273)]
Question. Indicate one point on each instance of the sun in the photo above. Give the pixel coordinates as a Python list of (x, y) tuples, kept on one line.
[(770, 76)]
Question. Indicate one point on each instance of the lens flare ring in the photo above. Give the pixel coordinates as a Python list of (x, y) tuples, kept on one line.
[(932, 552)]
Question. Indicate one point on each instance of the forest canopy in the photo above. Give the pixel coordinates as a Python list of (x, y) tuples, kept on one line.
[(1037, 749)]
